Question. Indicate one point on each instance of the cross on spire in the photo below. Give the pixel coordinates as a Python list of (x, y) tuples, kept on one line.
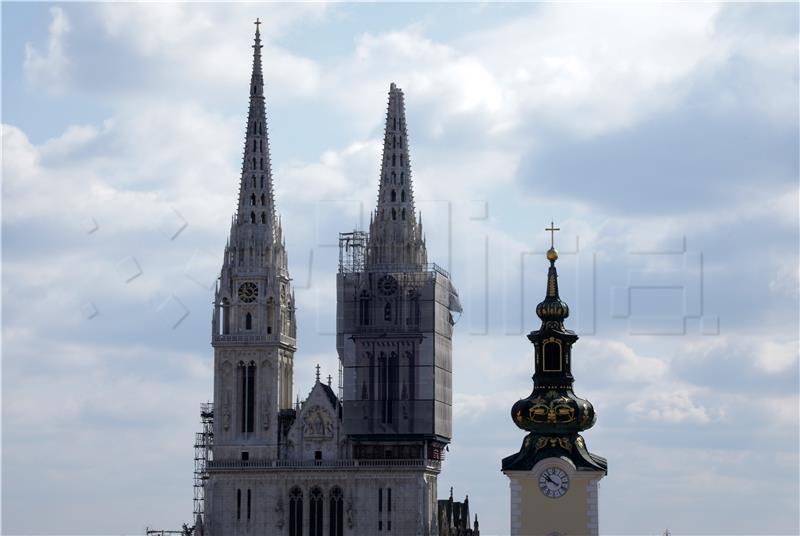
[(552, 229), (330, 379), (258, 24), (317, 372)]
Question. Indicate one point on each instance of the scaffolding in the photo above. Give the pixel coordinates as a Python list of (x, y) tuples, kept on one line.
[(202, 447), (352, 251)]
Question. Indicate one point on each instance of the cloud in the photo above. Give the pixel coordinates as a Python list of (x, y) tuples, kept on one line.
[(50, 69)]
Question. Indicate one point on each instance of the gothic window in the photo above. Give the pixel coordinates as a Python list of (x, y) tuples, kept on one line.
[(259, 127), (403, 195), (263, 218), (387, 312), (248, 321), (262, 181), (394, 160), (401, 160), (394, 196), (254, 145), (226, 316), (296, 512), (249, 497), (238, 504), (270, 315), (263, 200), (394, 214), (394, 142), (394, 123), (261, 164), (260, 146), (252, 200), (401, 141), (252, 220), (552, 355), (389, 508), (315, 512), (402, 177), (247, 374), (335, 511), (363, 308), (403, 214), (380, 508), (254, 163), (254, 181)]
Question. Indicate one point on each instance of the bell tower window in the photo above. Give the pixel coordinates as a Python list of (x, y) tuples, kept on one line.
[(247, 386), (551, 349)]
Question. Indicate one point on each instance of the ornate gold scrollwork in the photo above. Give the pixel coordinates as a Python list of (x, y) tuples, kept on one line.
[(558, 411), (562, 442)]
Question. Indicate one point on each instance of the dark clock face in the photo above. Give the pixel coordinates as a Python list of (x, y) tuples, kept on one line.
[(248, 292), (387, 285)]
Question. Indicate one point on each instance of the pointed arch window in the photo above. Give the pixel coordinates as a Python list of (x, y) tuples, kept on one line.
[(394, 159), (402, 177), (262, 181), (387, 312), (254, 163), (401, 141), (263, 218), (394, 177), (335, 513), (363, 308), (252, 217), (394, 214), (401, 160), (247, 396), (295, 512), (226, 316), (263, 200), (270, 315), (315, 512), (248, 321), (261, 164), (394, 142), (403, 195), (260, 146), (254, 145), (252, 200), (403, 214), (254, 181), (394, 196)]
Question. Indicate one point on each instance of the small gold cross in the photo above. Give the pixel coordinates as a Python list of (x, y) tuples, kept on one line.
[(552, 230)]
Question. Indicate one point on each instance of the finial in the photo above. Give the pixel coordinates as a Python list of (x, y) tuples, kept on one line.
[(330, 379), (257, 23), (552, 254), (451, 493), (317, 372)]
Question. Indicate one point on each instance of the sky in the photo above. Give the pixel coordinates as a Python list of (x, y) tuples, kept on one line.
[(661, 138)]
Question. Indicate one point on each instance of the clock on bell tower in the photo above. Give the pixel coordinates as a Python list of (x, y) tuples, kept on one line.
[(553, 477)]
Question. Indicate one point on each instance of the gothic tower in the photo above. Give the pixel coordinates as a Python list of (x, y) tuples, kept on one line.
[(394, 328), (253, 327), (553, 477)]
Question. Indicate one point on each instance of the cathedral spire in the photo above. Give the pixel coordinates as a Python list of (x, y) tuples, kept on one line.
[(395, 232), (256, 200)]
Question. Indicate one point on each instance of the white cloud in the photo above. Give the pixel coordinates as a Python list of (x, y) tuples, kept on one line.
[(670, 404), (50, 69)]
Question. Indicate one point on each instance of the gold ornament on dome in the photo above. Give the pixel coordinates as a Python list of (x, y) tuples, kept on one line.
[(562, 442), (558, 411)]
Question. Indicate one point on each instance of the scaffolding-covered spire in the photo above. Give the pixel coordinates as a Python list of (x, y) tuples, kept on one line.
[(256, 202), (395, 237)]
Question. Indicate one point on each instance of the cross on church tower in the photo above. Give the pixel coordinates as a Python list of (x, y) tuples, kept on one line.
[(552, 229), (258, 24), (317, 372)]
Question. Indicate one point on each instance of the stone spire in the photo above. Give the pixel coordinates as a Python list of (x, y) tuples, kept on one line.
[(256, 201), (396, 238)]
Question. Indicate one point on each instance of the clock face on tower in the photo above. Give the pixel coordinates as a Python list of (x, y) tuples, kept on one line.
[(387, 285), (553, 482), (248, 292)]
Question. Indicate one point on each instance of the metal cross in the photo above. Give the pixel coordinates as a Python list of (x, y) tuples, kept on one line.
[(552, 230), (317, 371), (330, 379), (257, 23)]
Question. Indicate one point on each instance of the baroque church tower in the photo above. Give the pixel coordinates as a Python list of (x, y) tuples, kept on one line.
[(553, 477)]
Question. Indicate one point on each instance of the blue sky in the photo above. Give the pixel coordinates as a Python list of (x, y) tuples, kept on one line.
[(661, 138)]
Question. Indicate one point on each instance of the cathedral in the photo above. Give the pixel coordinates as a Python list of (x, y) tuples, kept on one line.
[(363, 458), (359, 459)]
